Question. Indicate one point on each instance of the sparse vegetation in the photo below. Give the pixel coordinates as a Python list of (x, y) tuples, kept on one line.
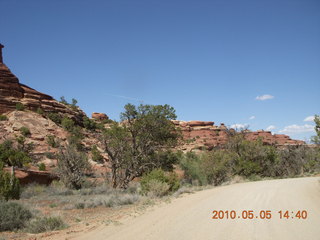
[(45, 224), (96, 155), (250, 159), (55, 117), (25, 131), (89, 124), (14, 216), (42, 167), (132, 146), (316, 139), (9, 185), (158, 183), (72, 105), (3, 118), (51, 140), (11, 156), (72, 167), (20, 107), (40, 111)]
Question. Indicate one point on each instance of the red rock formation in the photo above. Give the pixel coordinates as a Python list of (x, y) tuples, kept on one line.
[(99, 116), (32, 176), (199, 134), (12, 92)]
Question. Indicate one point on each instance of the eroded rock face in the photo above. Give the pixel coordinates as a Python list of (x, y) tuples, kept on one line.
[(99, 116), (13, 92), (199, 135)]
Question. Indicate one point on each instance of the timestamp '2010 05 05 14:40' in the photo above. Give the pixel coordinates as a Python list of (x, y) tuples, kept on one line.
[(263, 214)]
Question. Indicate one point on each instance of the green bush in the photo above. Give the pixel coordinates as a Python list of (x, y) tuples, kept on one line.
[(67, 124), (13, 216), (89, 124), (96, 155), (55, 117), (20, 107), (159, 183), (9, 185), (33, 190), (72, 167), (40, 111), (13, 157), (51, 140), (45, 224), (42, 167), (217, 166), (25, 131), (155, 188), (3, 118), (193, 171)]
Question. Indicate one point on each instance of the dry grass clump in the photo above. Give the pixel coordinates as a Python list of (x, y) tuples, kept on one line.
[(45, 224)]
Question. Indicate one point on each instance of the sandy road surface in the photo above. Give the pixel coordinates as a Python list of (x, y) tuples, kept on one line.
[(190, 217)]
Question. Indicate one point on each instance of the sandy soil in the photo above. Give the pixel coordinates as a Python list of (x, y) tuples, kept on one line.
[(190, 217)]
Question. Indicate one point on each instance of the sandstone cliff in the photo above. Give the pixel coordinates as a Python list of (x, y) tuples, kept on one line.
[(201, 134), (13, 92)]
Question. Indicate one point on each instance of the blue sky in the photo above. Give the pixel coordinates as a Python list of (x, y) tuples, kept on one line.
[(210, 60)]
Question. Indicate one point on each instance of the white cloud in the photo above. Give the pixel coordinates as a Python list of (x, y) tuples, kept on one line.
[(297, 129), (252, 117), (239, 126), (264, 97), (309, 119), (271, 127)]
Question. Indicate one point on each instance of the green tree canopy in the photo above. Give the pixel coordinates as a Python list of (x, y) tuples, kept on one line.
[(134, 145)]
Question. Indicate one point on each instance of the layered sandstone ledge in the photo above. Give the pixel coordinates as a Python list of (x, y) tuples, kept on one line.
[(199, 134), (13, 92)]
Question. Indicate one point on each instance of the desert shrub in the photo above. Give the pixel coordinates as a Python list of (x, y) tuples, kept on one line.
[(296, 160), (217, 166), (13, 216), (67, 124), (113, 199), (42, 167), (191, 164), (51, 140), (158, 183), (72, 167), (89, 124), (13, 157), (50, 155), (32, 190), (76, 141), (23, 146), (45, 224), (20, 107), (55, 117), (3, 118), (9, 185), (96, 155), (25, 131), (156, 188), (58, 188), (40, 111), (183, 190)]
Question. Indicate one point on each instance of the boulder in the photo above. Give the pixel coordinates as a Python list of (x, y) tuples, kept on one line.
[(99, 116)]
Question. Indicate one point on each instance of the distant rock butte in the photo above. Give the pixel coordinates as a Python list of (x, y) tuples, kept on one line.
[(13, 92), (199, 134), (99, 116)]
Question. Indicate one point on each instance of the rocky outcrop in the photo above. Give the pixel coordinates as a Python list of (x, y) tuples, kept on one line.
[(199, 135), (99, 116), (27, 176), (13, 92)]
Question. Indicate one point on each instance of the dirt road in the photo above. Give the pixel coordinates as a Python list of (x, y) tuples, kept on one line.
[(190, 217)]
